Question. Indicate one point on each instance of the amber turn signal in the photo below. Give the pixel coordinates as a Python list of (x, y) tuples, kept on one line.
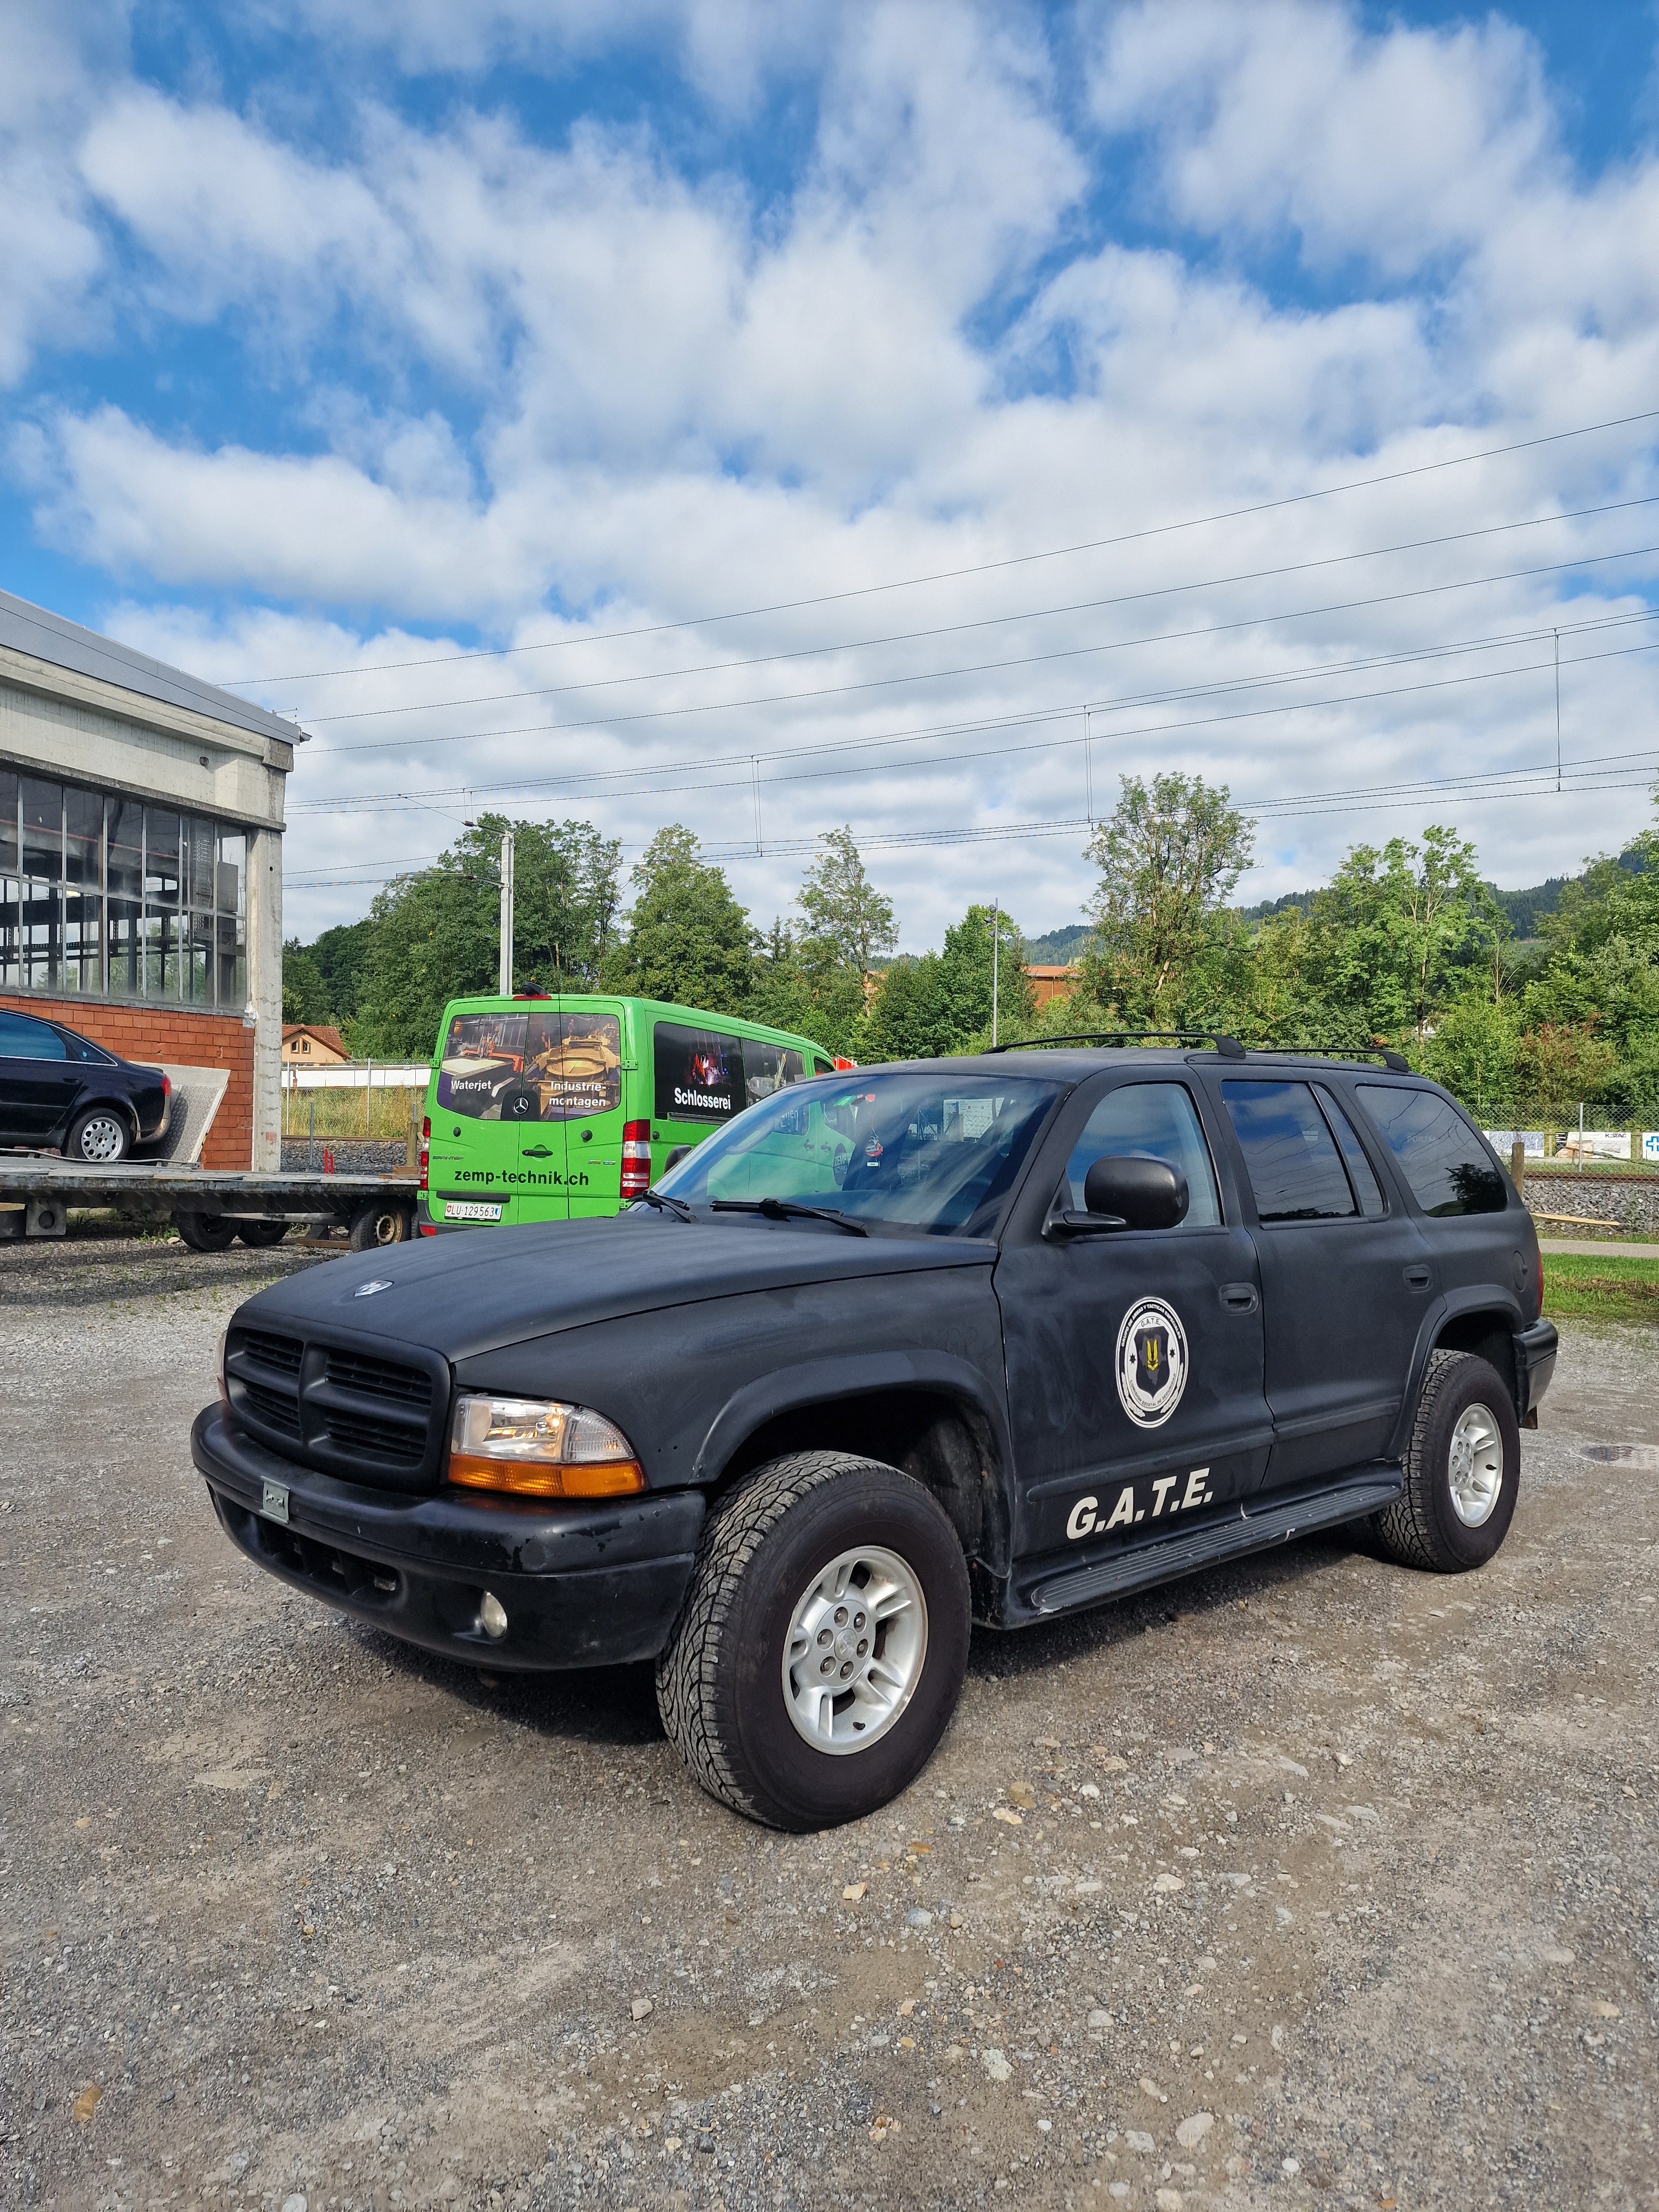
[(615, 1477)]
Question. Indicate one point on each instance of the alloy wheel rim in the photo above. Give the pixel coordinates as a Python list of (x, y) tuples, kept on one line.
[(855, 1650), (1476, 1468), (101, 1138)]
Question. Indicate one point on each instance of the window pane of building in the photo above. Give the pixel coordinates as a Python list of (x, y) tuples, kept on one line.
[(163, 964), (160, 857), (233, 859), (199, 875), (198, 974), (42, 885), (230, 964), (11, 910), (83, 884), (124, 857)]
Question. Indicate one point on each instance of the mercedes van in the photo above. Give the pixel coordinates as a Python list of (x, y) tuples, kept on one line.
[(559, 1108)]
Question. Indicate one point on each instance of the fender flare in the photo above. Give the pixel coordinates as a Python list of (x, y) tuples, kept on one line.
[(1451, 1305)]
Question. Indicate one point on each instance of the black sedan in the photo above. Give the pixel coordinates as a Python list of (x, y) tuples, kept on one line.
[(60, 1092)]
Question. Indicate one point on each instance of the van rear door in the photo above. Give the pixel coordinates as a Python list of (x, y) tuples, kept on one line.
[(581, 1101), (480, 1097)]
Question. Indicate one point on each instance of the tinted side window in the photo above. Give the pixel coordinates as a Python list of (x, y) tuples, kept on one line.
[(1149, 1121), (1360, 1175), (767, 1067), (23, 1038), (1439, 1155), (1294, 1167), (698, 1074)]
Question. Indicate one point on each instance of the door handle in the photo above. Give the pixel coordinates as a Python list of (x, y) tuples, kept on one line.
[(1239, 1297), (1417, 1278)]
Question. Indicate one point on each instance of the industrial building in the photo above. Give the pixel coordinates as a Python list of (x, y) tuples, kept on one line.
[(141, 864)]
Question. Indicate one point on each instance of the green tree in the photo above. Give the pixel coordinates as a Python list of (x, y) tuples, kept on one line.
[(941, 1003), (436, 936), (1475, 1051), (849, 924), (1168, 859), (1560, 1067), (688, 939), (1397, 932), (304, 995)]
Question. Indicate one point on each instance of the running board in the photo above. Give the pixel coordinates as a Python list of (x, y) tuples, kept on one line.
[(1245, 1531)]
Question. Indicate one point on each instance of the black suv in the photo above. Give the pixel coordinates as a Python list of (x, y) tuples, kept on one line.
[(60, 1091), (893, 1351)]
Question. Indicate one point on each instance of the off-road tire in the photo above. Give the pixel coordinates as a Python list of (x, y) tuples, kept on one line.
[(720, 1687), (1421, 1528)]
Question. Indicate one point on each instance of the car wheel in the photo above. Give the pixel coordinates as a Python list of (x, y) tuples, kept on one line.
[(260, 1233), (205, 1232), (1462, 1470), (101, 1136), (819, 1654), (378, 1222)]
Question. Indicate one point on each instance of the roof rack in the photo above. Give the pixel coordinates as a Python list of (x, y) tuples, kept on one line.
[(1228, 1047), (1396, 1062)]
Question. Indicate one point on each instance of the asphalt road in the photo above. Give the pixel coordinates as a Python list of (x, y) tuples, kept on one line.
[(1312, 1882)]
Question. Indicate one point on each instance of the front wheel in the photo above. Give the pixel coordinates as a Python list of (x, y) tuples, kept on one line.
[(820, 1651), (1462, 1470)]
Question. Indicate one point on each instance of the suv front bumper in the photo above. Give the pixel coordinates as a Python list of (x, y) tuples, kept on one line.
[(583, 1584)]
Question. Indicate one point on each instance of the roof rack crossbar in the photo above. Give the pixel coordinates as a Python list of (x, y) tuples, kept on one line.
[(1228, 1047)]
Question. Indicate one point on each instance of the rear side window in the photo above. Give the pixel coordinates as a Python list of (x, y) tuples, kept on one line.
[(767, 1067), (1360, 1173), (1439, 1155), (698, 1074), (23, 1038), (1149, 1121), (1295, 1169)]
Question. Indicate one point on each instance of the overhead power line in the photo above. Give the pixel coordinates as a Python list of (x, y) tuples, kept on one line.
[(985, 622), (989, 667), (979, 568)]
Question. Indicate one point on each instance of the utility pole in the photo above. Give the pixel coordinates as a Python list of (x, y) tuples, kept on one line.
[(507, 913), (995, 964)]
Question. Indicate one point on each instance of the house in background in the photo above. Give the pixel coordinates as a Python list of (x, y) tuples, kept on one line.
[(1050, 983), (313, 1045)]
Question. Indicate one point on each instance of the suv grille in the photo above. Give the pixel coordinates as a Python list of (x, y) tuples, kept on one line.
[(341, 1408)]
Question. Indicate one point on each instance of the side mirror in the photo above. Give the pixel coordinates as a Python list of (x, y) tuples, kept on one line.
[(1142, 1194)]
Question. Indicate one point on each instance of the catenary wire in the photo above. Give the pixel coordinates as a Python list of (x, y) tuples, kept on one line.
[(979, 569)]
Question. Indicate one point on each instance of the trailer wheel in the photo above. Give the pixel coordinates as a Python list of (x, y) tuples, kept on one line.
[(205, 1232), (379, 1221), (261, 1233)]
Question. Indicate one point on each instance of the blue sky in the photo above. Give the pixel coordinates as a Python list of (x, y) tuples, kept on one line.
[(389, 360)]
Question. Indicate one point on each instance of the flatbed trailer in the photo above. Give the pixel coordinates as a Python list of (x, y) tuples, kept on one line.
[(208, 1207)]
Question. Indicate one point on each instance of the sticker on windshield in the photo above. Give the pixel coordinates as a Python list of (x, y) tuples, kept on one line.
[(1151, 1362)]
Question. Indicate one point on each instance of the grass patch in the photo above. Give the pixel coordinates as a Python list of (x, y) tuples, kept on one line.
[(1595, 1286)]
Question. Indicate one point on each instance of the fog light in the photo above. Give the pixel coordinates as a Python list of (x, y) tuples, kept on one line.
[(492, 1616)]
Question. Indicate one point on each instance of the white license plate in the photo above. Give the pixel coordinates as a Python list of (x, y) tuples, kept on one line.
[(470, 1209), (273, 1501)]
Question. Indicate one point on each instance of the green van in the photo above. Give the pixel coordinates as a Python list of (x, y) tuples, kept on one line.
[(555, 1109)]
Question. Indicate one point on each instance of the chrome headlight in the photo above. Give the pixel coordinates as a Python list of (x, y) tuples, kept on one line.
[(539, 1448)]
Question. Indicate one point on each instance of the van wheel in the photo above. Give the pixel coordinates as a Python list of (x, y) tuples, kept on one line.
[(1462, 1470), (819, 1654)]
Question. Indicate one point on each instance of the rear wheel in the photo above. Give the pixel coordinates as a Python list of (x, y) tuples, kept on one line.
[(1463, 1469), (205, 1232), (819, 1655), (100, 1135)]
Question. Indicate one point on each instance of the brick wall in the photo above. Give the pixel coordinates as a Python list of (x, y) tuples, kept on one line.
[(149, 1033)]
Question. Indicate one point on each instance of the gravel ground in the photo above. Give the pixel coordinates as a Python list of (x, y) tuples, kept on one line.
[(1310, 1882)]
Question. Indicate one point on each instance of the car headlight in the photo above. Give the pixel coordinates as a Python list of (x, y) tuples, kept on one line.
[(539, 1448)]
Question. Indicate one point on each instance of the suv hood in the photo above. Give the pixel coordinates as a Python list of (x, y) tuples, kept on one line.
[(463, 1295)]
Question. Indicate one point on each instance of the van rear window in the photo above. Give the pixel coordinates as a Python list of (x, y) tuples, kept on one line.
[(531, 1067)]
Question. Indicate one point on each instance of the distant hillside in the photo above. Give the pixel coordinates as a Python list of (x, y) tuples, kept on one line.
[(1058, 947), (1523, 908)]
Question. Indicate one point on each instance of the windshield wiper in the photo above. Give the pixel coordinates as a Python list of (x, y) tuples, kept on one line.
[(664, 1204), (788, 1209)]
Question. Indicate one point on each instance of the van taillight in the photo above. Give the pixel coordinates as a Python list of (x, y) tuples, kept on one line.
[(425, 1146), (636, 1159)]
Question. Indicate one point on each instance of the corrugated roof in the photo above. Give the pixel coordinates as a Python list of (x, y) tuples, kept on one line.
[(29, 628)]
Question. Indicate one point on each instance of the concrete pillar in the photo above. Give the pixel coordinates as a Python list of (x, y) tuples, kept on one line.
[(265, 991)]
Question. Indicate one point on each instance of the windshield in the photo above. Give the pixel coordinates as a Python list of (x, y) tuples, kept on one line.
[(933, 1152)]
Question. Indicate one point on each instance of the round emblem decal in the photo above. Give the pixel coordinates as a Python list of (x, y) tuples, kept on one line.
[(1151, 1362)]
